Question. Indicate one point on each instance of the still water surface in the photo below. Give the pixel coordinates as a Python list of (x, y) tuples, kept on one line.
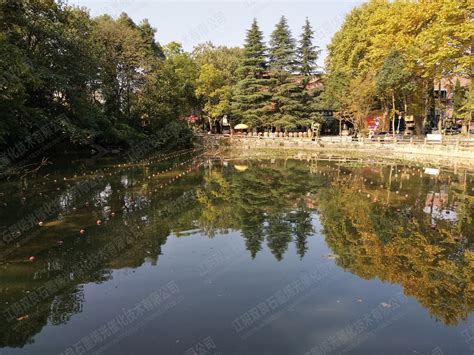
[(180, 254)]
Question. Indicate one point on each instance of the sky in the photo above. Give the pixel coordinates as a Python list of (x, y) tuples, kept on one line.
[(225, 22)]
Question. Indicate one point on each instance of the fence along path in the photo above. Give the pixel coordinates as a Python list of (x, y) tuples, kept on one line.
[(451, 141)]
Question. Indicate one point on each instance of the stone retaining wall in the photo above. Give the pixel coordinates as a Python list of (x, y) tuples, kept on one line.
[(400, 150)]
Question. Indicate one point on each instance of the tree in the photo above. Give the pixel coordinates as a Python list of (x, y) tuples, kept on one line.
[(392, 80), (433, 37), (55, 62), (335, 96), (250, 94), (458, 98), (468, 108), (123, 56), (209, 86), (225, 59), (187, 72), (159, 100), (361, 101), (168, 91), (307, 53), (173, 49), (95, 73), (282, 56), (15, 76), (216, 78), (287, 92), (307, 56), (148, 35)]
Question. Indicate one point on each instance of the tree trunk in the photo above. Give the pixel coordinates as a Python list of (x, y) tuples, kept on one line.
[(393, 114), (440, 116), (385, 124), (429, 103), (405, 109), (471, 87)]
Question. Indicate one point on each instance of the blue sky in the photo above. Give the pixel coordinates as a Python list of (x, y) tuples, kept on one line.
[(224, 22)]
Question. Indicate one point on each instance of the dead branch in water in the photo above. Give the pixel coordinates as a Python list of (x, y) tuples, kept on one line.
[(25, 170)]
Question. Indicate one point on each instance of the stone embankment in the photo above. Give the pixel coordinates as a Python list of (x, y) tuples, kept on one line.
[(449, 150)]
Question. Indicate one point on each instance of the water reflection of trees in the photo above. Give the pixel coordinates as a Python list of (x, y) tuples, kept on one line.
[(265, 203), (375, 220), (398, 243), (19, 278), (63, 302), (375, 231)]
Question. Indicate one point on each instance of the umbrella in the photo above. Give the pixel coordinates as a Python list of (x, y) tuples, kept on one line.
[(241, 126), (240, 168)]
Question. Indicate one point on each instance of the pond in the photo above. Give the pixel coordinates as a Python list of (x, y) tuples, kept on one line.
[(184, 254)]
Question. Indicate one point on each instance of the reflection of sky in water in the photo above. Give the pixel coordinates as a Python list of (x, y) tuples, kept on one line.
[(103, 197), (134, 201), (442, 214), (124, 181), (244, 237), (65, 201), (437, 206)]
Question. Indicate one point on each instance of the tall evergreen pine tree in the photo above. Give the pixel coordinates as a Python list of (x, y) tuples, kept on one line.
[(282, 48), (307, 53), (307, 57), (287, 109), (251, 95)]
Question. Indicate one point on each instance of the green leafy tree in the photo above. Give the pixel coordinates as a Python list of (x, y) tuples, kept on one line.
[(168, 91), (211, 87), (468, 108), (458, 98), (57, 61), (225, 59), (435, 41), (392, 80), (187, 72), (217, 78), (122, 55), (148, 35), (15, 76)]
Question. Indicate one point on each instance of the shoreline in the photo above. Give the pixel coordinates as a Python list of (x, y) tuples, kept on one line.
[(438, 155)]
